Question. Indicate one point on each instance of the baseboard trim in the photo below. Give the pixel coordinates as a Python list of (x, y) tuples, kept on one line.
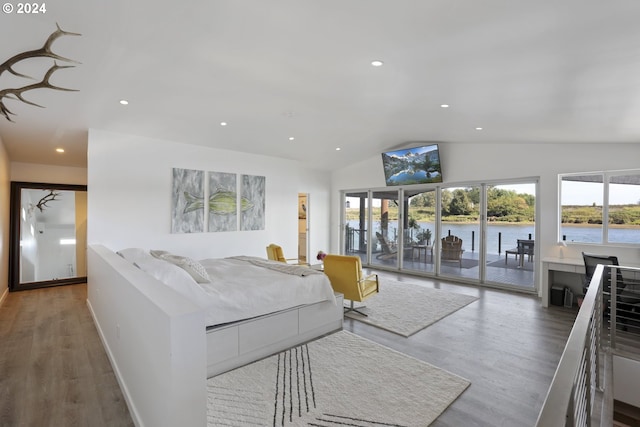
[(135, 416), (4, 296)]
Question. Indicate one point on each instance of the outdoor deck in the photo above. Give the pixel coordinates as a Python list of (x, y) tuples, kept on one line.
[(497, 271)]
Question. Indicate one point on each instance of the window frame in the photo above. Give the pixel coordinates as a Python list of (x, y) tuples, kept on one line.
[(606, 178)]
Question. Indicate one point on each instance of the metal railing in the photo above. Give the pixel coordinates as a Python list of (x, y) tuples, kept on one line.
[(605, 321)]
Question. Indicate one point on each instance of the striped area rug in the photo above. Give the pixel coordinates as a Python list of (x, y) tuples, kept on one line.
[(338, 380)]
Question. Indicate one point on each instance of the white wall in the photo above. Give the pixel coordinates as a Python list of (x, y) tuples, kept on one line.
[(31, 172), (626, 376), (130, 181), (463, 162), (155, 340)]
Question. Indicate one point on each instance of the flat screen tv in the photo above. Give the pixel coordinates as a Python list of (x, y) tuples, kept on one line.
[(418, 165)]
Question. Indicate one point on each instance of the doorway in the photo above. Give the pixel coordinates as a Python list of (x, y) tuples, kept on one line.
[(303, 228)]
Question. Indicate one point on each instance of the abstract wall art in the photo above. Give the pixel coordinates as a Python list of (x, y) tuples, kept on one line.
[(232, 203), (187, 200), (223, 202), (252, 193)]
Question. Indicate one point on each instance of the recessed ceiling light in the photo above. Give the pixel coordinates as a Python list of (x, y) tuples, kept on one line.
[(223, 123), (338, 149), (60, 150), (124, 102), (444, 105), (377, 63), (478, 128), (291, 138)]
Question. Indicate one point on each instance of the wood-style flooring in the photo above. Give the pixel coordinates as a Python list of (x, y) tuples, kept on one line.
[(505, 343), (53, 368), (54, 371)]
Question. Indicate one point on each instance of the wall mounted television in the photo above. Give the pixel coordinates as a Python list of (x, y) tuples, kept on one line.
[(417, 165)]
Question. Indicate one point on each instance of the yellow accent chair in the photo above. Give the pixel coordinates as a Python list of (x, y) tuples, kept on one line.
[(275, 253), (345, 274), (452, 249)]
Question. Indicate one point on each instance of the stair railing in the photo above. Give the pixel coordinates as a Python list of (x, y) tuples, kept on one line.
[(570, 398)]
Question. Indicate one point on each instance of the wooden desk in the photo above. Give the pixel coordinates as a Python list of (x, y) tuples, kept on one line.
[(574, 266), (552, 265)]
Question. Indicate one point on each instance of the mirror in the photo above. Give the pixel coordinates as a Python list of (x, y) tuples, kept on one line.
[(48, 235)]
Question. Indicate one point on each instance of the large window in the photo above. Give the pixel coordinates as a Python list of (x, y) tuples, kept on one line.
[(601, 207), (472, 232)]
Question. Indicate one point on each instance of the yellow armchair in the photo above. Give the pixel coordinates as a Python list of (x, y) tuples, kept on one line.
[(275, 253), (345, 274)]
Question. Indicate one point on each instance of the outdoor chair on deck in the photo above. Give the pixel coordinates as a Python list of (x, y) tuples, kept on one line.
[(525, 247), (452, 249), (346, 277), (387, 252)]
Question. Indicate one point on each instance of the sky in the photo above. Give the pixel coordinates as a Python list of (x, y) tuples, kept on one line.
[(586, 193), (580, 193)]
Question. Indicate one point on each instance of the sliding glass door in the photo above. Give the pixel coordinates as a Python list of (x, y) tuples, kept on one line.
[(385, 238), (356, 214), (419, 229), (510, 256), (483, 233), (460, 232)]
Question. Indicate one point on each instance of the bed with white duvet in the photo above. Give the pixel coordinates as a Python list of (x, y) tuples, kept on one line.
[(157, 312), (235, 288)]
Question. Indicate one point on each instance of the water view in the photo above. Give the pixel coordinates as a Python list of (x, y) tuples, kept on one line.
[(509, 234)]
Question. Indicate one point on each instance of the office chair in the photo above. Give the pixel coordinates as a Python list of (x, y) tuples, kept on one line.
[(627, 300)]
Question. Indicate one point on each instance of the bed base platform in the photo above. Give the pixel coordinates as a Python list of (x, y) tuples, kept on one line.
[(237, 344)]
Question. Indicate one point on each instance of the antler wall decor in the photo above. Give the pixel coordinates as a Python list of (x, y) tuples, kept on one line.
[(42, 203), (44, 52)]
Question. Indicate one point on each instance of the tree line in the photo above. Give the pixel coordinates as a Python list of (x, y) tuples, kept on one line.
[(463, 205)]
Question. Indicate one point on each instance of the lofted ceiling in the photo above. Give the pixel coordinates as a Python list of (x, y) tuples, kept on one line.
[(536, 71)]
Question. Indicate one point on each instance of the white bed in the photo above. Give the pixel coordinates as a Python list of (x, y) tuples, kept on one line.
[(236, 288), (165, 337), (248, 309)]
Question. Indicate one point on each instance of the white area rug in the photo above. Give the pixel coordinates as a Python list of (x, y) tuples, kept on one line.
[(405, 308), (338, 380)]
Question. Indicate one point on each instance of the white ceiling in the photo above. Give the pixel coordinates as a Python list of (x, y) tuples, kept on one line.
[(525, 71)]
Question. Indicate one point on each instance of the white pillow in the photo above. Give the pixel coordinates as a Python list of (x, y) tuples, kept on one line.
[(157, 253), (134, 255), (175, 278), (191, 266)]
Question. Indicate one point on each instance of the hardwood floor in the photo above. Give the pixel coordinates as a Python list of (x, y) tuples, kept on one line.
[(505, 343), (54, 371), (53, 368)]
